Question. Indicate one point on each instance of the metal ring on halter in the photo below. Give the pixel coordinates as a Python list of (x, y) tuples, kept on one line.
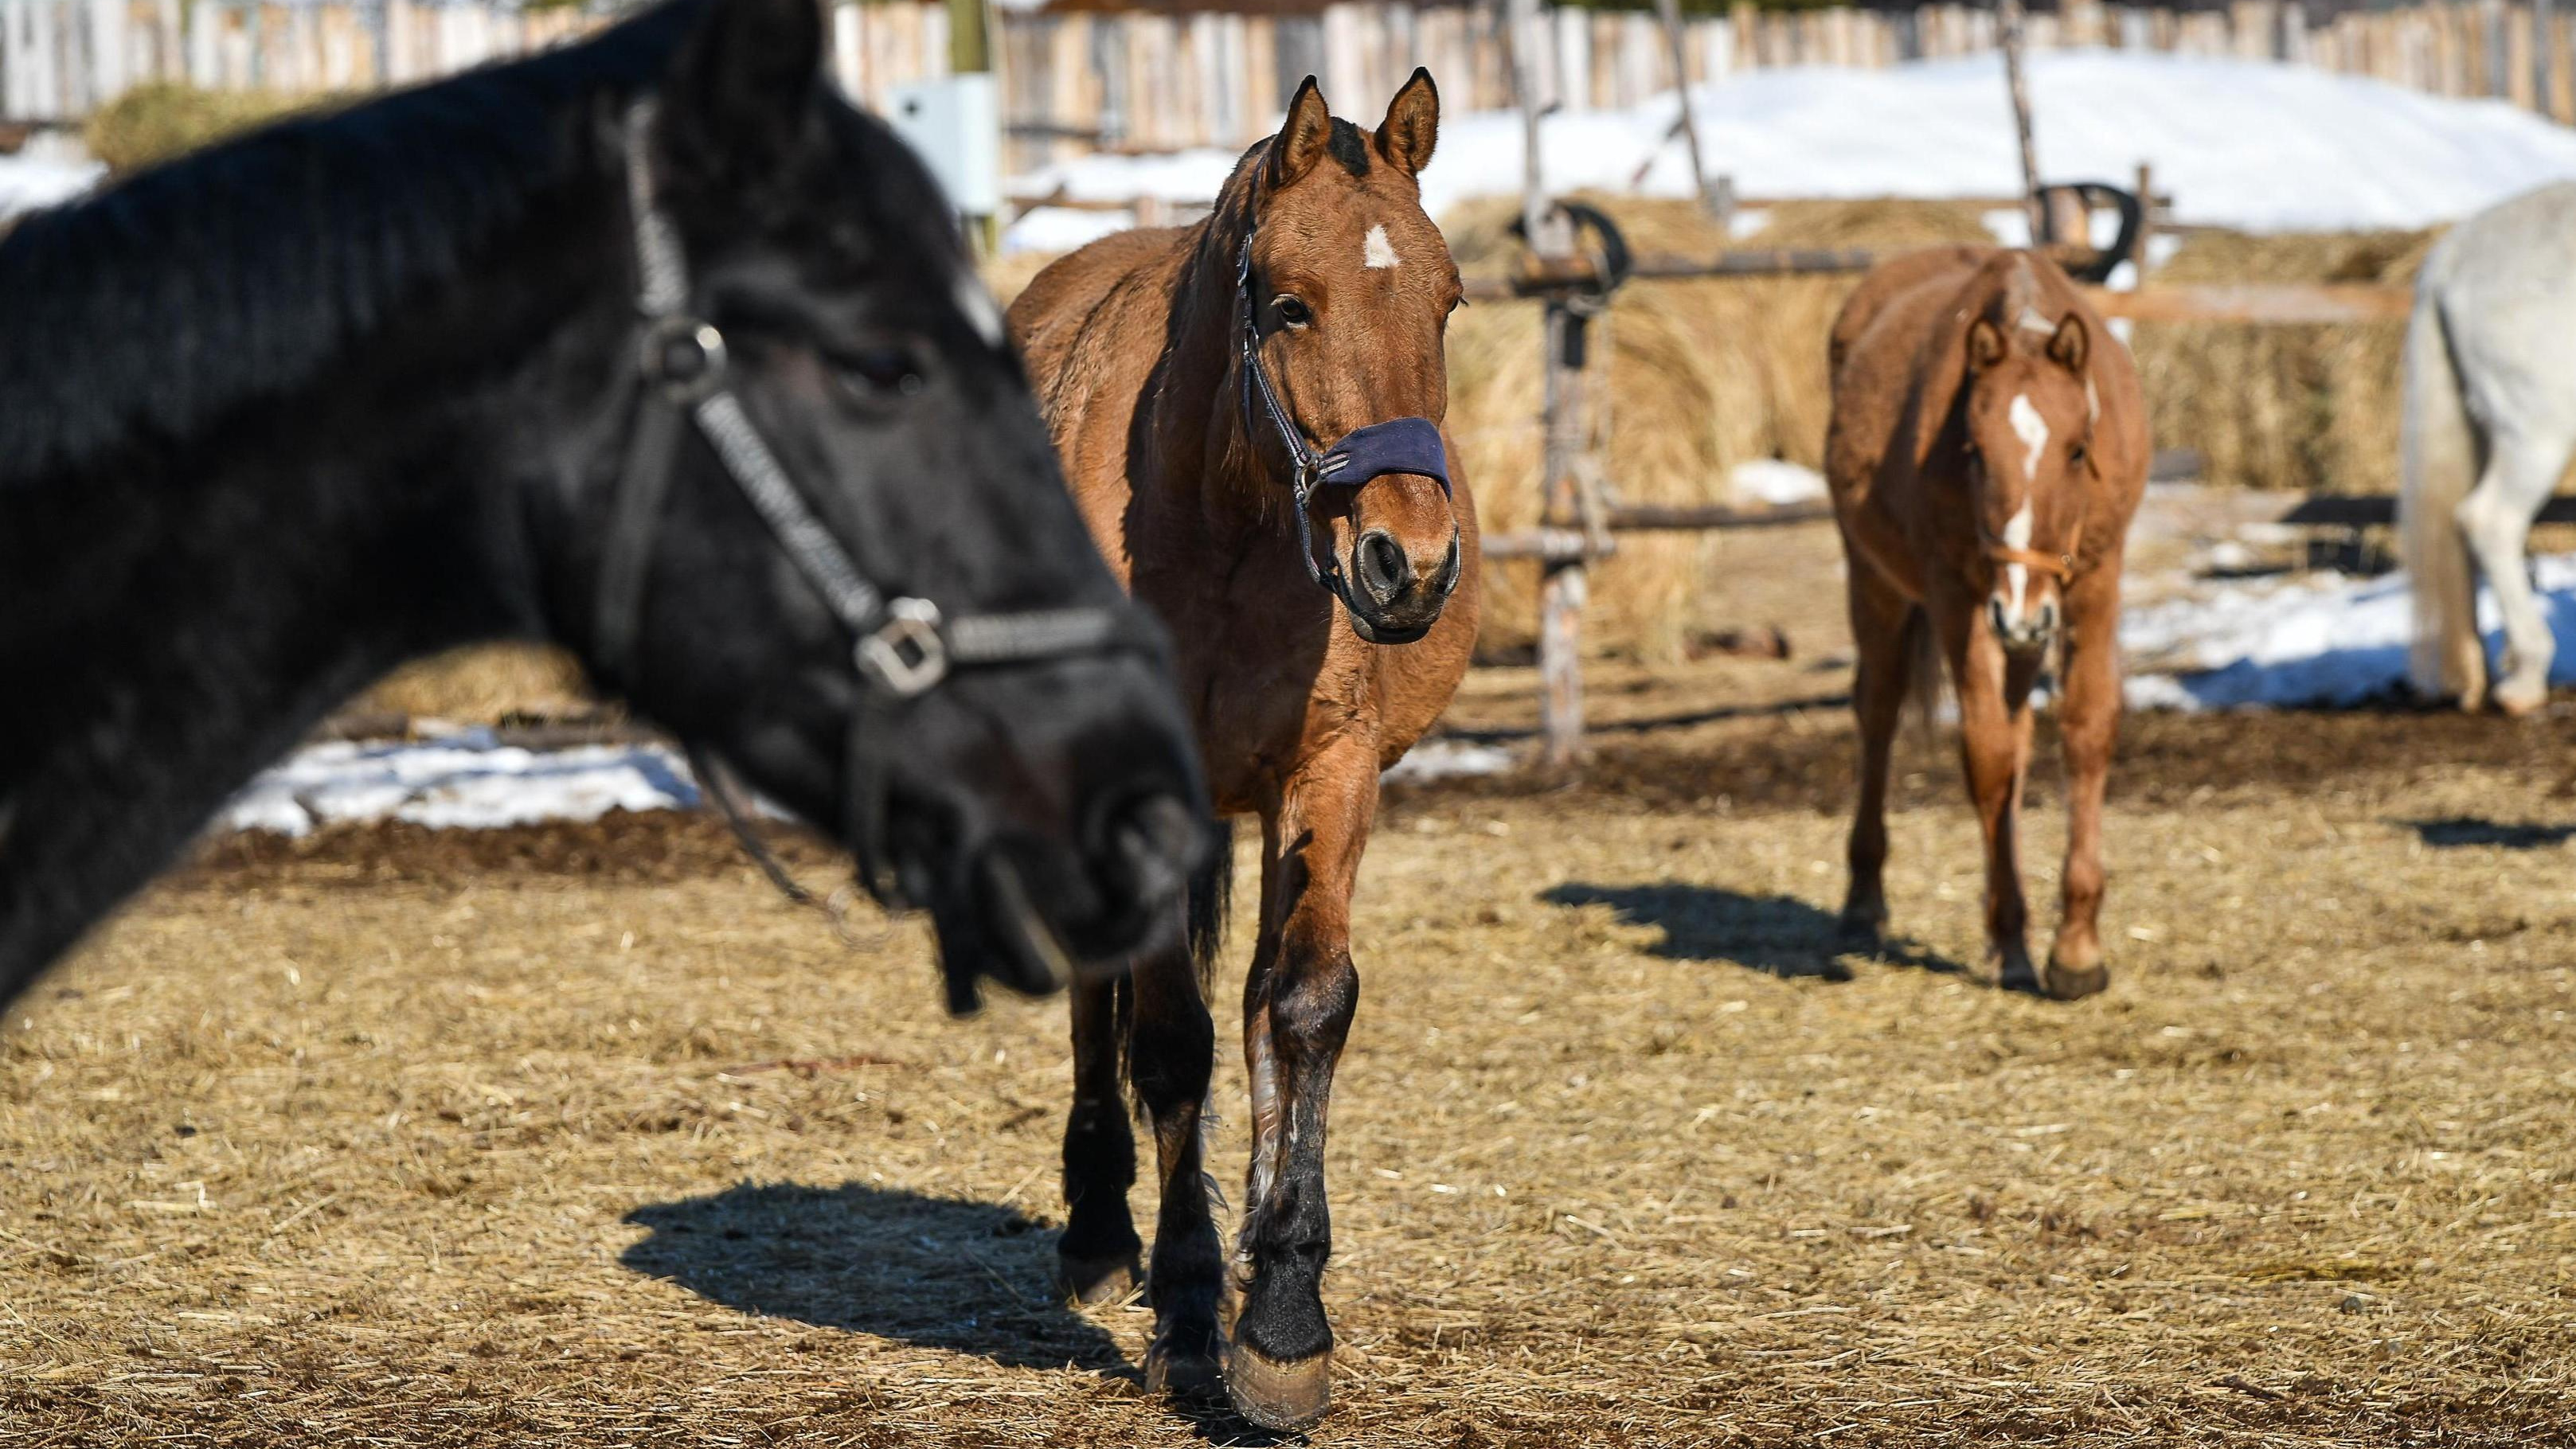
[(686, 357), (908, 654)]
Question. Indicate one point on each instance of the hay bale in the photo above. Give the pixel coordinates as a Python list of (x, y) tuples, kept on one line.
[(484, 684), (158, 120), (2307, 408)]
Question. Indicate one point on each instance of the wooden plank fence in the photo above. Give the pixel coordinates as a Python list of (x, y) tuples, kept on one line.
[(1079, 81)]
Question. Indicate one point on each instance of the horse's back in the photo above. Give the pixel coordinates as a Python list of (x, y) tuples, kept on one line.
[(2504, 286), (1050, 315), (1916, 274)]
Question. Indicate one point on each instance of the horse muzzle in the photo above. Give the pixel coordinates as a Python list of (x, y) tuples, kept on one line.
[(1395, 594), (1035, 918), (2023, 631)]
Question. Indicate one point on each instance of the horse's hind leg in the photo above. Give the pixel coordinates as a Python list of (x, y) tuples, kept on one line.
[(1298, 1004), (2496, 517), (1994, 746), (1885, 626), (2089, 718), (1097, 1259)]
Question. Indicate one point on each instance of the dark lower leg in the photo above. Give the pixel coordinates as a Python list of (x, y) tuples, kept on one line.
[(1878, 704), (1173, 1053), (1097, 1259)]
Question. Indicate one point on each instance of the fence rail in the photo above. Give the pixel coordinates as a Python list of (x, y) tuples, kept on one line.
[(1074, 82)]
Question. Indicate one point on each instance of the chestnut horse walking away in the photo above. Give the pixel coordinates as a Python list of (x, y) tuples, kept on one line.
[(1989, 446), (1248, 411)]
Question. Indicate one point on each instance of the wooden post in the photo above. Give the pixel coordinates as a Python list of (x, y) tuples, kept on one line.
[(2146, 223), (1561, 581), (970, 51), (2008, 34), (1670, 11), (2544, 44)]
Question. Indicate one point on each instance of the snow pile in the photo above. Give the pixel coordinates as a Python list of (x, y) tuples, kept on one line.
[(42, 176), (1442, 759), (2246, 144), (467, 781), (2318, 640), (1775, 481)]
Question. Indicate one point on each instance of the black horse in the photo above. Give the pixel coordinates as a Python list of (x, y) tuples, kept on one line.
[(651, 346)]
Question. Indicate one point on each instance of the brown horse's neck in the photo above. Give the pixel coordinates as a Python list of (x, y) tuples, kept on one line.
[(1204, 444)]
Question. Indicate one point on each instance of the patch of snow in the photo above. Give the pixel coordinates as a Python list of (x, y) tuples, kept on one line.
[(47, 173), (1051, 229), (2314, 640), (2334, 152), (1775, 481), (1438, 759), (465, 782)]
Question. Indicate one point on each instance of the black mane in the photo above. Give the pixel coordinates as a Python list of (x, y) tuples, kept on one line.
[(239, 273)]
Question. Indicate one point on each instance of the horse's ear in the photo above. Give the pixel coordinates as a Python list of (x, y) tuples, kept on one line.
[(1985, 343), (1412, 124), (2070, 344), (744, 84), (1303, 137)]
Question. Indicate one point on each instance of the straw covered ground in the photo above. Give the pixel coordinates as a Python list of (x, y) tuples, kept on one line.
[(579, 1135)]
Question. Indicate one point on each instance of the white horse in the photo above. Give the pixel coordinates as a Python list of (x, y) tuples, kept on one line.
[(2490, 402)]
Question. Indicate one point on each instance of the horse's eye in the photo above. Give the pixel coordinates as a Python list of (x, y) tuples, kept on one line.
[(1292, 311), (2075, 456), (883, 370)]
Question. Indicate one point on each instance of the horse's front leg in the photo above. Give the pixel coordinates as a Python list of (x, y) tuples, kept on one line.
[(1171, 1053), (1994, 746), (1297, 1009), (2089, 717)]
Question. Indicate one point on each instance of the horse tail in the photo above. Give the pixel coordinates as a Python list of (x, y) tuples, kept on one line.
[(1211, 897), (2439, 457), (1926, 683)]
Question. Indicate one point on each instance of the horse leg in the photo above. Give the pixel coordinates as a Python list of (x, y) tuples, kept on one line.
[(2496, 518), (1994, 746), (1885, 627), (1171, 1054), (1097, 1259), (1297, 1003), (2089, 718)]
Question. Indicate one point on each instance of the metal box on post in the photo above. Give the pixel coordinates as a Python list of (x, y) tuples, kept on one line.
[(955, 122)]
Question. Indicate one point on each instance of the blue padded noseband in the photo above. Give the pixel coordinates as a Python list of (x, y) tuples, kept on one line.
[(1398, 445)]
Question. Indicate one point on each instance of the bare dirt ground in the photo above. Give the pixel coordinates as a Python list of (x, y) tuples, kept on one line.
[(581, 1136)]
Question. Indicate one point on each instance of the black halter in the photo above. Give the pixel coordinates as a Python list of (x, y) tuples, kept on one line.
[(1400, 445), (905, 646)]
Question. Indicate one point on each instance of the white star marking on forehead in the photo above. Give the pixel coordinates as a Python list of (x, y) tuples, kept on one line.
[(1380, 253)]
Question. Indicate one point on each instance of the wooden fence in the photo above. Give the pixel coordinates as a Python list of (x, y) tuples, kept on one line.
[(1158, 81)]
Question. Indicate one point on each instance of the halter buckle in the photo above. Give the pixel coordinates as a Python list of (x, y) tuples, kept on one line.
[(907, 654), (683, 356)]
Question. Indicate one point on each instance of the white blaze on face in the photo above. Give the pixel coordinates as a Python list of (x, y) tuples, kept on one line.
[(2017, 576), (2031, 428), (1379, 253)]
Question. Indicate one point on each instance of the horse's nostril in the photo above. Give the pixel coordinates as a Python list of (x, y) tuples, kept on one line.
[(1384, 570), (1450, 567)]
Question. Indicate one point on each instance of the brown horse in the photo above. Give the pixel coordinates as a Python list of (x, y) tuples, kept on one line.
[(1989, 445), (1190, 376)]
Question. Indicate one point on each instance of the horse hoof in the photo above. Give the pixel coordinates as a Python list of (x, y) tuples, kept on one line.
[(2018, 976), (2065, 983), (1091, 1282), (2514, 702), (1280, 1397), (1182, 1374), (1862, 928)]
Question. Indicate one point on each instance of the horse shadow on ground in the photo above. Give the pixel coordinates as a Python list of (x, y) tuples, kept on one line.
[(968, 1277), (2454, 831), (1776, 935)]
